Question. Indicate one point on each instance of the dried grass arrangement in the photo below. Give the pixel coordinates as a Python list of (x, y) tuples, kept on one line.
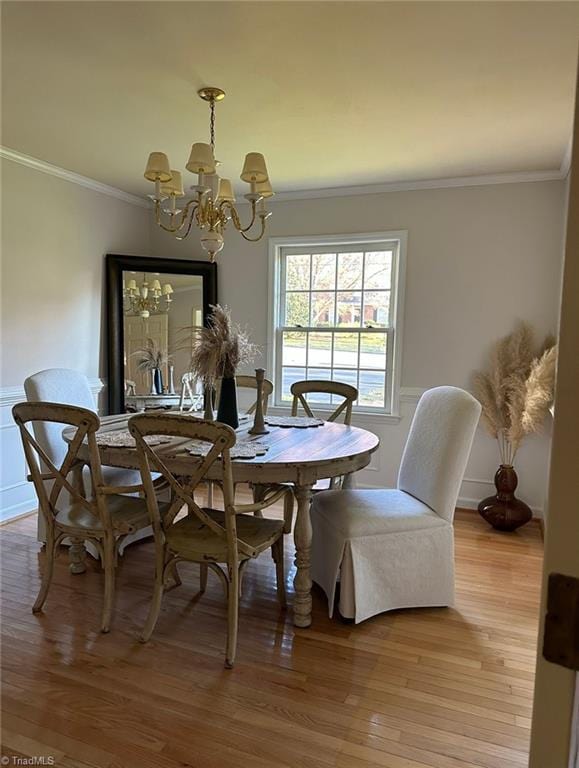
[(221, 348), (517, 389), (151, 357)]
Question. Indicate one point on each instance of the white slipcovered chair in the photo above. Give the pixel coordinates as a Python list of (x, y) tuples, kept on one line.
[(69, 387), (394, 548)]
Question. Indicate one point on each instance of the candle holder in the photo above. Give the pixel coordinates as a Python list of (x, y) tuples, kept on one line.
[(259, 427)]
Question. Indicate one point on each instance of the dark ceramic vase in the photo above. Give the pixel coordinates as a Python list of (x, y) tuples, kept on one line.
[(208, 403), (227, 410), (158, 379), (503, 510)]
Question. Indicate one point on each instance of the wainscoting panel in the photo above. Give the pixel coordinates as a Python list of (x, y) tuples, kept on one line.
[(17, 495)]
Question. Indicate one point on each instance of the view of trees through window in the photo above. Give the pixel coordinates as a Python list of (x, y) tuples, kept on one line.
[(335, 321)]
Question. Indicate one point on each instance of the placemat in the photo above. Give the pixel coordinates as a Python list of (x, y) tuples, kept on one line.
[(122, 438), (301, 422), (244, 449)]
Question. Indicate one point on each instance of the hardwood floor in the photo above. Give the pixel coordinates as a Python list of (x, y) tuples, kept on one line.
[(441, 688)]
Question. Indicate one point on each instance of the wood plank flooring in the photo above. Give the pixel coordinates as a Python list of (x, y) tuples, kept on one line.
[(444, 688)]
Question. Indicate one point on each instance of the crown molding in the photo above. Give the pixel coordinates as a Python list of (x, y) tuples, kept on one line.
[(74, 178), (409, 186), (309, 194)]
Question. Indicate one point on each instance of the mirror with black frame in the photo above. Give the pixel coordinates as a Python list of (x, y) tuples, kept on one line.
[(153, 308)]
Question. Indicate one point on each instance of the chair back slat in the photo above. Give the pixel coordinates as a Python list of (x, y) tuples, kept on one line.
[(41, 466), (249, 382), (300, 389), (221, 437)]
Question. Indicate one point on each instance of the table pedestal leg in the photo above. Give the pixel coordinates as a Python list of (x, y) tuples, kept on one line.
[(303, 542), (258, 495), (77, 556)]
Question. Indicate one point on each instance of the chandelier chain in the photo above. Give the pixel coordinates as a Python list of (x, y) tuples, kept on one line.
[(212, 123)]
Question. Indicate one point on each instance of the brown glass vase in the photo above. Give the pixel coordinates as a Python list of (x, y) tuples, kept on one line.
[(504, 511)]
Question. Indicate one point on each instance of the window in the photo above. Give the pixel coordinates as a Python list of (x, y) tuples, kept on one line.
[(336, 314)]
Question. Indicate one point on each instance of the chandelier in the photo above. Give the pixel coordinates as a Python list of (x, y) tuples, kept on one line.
[(213, 206), (144, 300)]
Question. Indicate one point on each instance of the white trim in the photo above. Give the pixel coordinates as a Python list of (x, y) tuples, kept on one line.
[(13, 395), (477, 481), (23, 508), (19, 484), (275, 244), (74, 178), (409, 186), (411, 394), (14, 516), (517, 177), (363, 419), (566, 161)]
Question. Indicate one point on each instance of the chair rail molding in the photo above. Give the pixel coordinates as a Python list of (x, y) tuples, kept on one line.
[(17, 495), (9, 396)]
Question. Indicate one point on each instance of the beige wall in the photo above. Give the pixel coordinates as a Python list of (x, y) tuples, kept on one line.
[(54, 238), (479, 258), (555, 685)]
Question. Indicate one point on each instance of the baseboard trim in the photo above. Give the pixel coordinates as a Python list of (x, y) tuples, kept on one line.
[(18, 516), (16, 511)]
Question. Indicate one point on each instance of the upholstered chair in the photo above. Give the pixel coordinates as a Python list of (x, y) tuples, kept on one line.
[(69, 387), (394, 548)]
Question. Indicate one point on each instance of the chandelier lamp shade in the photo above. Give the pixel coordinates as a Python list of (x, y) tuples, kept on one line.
[(212, 207), (147, 298)]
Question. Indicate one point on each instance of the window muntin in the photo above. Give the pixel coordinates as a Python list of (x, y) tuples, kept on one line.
[(335, 319)]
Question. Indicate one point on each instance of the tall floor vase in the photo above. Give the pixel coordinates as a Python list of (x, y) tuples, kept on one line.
[(503, 510)]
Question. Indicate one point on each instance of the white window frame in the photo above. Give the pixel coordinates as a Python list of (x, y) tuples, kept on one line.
[(397, 241)]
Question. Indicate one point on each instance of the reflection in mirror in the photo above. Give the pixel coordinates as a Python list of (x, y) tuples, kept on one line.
[(160, 314)]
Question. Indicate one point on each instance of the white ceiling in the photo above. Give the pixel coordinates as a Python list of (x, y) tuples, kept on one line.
[(332, 93)]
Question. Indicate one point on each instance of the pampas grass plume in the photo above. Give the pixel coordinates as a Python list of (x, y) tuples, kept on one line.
[(517, 389)]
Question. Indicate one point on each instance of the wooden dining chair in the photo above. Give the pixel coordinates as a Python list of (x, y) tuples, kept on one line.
[(242, 382), (210, 537), (335, 389), (301, 389), (190, 392), (249, 382), (69, 387), (105, 518)]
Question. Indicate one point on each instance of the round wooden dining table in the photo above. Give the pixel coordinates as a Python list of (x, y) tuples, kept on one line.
[(295, 456)]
